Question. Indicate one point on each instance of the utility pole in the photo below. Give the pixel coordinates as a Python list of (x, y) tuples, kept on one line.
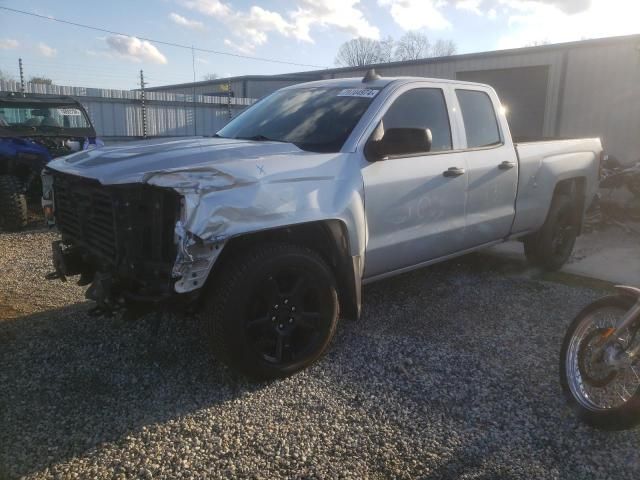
[(144, 107), (195, 110), (21, 76), (229, 99)]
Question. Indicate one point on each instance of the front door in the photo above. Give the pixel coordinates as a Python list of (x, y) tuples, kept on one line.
[(414, 212)]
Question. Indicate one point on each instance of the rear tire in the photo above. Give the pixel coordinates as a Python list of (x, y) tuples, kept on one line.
[(13, 204), (272, 311), (551, 246)]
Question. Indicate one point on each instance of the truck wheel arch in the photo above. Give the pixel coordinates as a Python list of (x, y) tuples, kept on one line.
[(576, 189), (327, 237)]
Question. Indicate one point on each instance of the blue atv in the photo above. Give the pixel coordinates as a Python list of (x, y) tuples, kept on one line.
[(34, 129)]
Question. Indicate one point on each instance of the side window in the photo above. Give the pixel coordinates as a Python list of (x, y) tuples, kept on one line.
[(480, 120), (422, 108)]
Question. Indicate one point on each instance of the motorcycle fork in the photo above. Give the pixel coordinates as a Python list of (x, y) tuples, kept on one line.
[(624, 323)]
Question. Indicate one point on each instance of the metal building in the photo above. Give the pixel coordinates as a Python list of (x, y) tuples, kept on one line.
[(586, 88)]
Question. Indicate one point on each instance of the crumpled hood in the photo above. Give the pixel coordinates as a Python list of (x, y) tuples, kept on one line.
[(134, 162)]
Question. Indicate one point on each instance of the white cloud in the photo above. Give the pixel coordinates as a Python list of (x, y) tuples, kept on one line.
[(8, 43), (252, 28), (531, 22), (185, 22), (134, 49), (416, 14), (208, 7), (46, 51), (567, 6), (470, 6), (245, 48), (492, 14), (341, 14)]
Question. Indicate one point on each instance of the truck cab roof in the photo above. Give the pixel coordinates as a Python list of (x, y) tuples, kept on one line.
[(380, 82)]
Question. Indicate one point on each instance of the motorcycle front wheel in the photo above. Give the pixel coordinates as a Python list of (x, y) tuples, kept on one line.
[(603, 396)]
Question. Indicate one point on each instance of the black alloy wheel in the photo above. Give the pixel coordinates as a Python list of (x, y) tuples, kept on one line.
[(273, 310)]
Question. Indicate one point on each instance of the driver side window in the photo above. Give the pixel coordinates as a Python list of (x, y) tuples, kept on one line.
[(422, 108)]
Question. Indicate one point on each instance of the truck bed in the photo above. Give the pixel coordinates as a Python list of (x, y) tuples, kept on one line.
[(543, 164)]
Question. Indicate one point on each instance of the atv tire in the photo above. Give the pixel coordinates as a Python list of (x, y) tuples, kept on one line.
[(13, 204)]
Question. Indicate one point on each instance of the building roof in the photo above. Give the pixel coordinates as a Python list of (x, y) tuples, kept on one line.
[(492, 53), (302, 76)]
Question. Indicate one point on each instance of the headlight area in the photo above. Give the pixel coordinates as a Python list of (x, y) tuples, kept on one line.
[(194, 260)]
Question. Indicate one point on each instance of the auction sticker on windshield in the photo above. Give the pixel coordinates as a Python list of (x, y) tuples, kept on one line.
[(358, 92), (69, 112)]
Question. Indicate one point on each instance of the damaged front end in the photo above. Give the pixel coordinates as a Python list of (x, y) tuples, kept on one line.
[(128, 242)]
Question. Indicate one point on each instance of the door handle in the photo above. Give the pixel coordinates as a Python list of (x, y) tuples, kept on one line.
[(506, 165), (453, 172)]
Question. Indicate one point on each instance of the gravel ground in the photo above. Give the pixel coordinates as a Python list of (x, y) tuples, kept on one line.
[(452, 373)]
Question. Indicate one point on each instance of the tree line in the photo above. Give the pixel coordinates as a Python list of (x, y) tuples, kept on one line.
[(411, 46)]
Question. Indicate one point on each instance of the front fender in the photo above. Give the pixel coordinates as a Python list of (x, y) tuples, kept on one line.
[(222, 203)]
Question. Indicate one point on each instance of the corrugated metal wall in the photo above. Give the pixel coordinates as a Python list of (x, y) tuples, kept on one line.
[(118, 113), (602, 98)]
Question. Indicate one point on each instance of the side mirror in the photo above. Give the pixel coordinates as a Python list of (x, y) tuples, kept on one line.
[(398, 141)]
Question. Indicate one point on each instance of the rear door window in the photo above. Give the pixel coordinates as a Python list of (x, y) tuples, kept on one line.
[(422, 108), (480, 122)]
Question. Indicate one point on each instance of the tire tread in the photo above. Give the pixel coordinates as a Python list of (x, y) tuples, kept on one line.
[(13, 203)]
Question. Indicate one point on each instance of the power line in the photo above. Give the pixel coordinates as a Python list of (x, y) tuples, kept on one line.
[(161, 42)]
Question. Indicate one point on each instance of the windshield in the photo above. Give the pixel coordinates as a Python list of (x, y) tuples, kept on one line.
[(43, 119), (315, 119)]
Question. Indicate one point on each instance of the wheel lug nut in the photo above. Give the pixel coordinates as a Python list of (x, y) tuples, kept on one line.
[(291, 320), (293, 309), (273, 319), (276, 306), (281, 326), (286, 301)]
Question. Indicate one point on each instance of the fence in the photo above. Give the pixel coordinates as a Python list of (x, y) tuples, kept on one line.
[(119, 113)]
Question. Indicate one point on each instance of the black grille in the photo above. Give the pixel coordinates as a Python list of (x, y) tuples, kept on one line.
[(130, 227), (85, 212)]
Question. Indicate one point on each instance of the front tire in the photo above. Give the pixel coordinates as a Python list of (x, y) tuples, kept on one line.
[(591, 388), (551, 246), (273, 310), (13, 204)]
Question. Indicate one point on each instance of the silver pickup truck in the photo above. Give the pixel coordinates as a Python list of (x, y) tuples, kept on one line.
[(273, 225)]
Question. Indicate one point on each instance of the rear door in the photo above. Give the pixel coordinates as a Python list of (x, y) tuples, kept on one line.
[(492, 167), (415, 213)]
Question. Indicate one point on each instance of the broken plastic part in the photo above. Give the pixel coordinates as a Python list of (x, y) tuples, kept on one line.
[(194, 260)]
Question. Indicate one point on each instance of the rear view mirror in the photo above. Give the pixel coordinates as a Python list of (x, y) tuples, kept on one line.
[(398, 141)]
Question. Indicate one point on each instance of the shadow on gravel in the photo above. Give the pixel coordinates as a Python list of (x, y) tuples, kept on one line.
[(70, 382)]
